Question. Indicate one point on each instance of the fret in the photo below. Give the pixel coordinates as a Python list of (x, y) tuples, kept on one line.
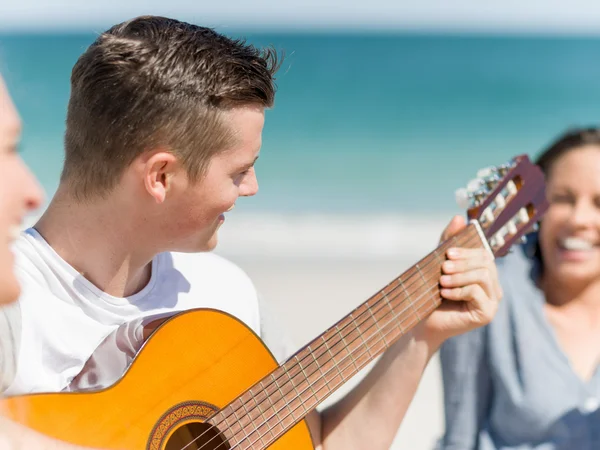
[(285, 403), (350, 349), (407, 297), (275, 415), (352, 333), (249, 416), (239, 422), (419, 290), (258, 406), (322, 356), (244, 444), (310, 382), (332, 359), (345, 346), (435, 300), (217, 421), (261, 436), (410, 304), (294, 373), (348, 354), (421, 274), (382, 336), (298, 394), (385, 316), (339, 347), (323, 375), (251, 442), (394, 316), (288, 419), (236, 428)]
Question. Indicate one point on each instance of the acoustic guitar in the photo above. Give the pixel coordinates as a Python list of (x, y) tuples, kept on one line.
[(202, 380)]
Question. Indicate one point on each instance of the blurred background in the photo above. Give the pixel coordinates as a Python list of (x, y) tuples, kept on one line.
[(383, 110)]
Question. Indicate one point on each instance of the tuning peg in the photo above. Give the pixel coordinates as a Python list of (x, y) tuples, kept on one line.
[(491, 181), (474, 185), (504, 168), (485, 172), (478, 195), (463, 199)]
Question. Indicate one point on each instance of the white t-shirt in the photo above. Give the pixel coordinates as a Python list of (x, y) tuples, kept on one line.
[(64, 318)]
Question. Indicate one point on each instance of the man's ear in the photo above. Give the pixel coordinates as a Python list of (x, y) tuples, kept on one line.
[(158, 170)]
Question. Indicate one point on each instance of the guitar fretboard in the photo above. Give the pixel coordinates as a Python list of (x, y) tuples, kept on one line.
[(284, 397)]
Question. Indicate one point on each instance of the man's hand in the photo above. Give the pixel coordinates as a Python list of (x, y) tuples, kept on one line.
[(470, 291)]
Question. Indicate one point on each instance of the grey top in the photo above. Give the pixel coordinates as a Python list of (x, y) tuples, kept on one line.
[(509, 385)]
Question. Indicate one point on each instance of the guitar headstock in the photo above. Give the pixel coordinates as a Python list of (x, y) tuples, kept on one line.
[(507, 201)]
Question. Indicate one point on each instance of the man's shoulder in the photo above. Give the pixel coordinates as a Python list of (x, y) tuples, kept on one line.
[(210, 267), (30, 265), (205, 261)]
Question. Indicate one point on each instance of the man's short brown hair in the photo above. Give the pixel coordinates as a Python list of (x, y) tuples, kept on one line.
[(155, 82)]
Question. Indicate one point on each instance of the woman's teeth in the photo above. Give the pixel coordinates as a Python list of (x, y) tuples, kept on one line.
[(574, 243)]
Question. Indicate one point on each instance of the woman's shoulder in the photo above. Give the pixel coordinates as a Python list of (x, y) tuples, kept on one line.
[(517, 272)]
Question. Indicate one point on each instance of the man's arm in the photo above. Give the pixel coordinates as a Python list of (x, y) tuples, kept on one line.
[(369, 416)]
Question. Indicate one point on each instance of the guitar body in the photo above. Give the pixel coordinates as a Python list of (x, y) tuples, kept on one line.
[(193, 364)]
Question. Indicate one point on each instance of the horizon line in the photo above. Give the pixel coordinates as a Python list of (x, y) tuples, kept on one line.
[(332, 28)]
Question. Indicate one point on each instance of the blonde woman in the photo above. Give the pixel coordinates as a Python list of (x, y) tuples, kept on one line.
[(19, 194)]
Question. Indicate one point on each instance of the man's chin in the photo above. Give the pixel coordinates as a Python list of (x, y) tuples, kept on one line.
[(211, 244)]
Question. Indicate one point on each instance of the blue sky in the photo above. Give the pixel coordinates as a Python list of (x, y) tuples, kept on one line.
[(562, 16)]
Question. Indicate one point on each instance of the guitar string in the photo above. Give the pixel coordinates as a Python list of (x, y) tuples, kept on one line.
[(418, 274), (298, 362)]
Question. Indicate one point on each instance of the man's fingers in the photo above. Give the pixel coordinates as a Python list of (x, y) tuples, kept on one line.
[(481, 276), (466, 259)]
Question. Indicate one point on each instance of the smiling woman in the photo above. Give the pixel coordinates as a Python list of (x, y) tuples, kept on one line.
[(19, 193), (571, 231), (530, 378)]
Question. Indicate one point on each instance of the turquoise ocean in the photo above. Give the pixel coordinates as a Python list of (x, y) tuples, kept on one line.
[(375, 129)]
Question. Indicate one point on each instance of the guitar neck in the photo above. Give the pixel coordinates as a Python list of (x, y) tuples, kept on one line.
[(284, 397)]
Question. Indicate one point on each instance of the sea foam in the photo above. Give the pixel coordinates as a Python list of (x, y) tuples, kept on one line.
[(271, 235)]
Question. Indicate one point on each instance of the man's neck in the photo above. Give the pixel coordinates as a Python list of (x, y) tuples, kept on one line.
[(93, 238)]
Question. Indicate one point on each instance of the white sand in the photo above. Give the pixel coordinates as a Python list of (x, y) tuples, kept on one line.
[(309, 295)]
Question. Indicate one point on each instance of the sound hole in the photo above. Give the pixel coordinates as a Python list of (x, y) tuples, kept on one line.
[(196, 436)]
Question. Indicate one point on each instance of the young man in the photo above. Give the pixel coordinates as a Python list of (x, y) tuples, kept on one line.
[(163, 130)]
